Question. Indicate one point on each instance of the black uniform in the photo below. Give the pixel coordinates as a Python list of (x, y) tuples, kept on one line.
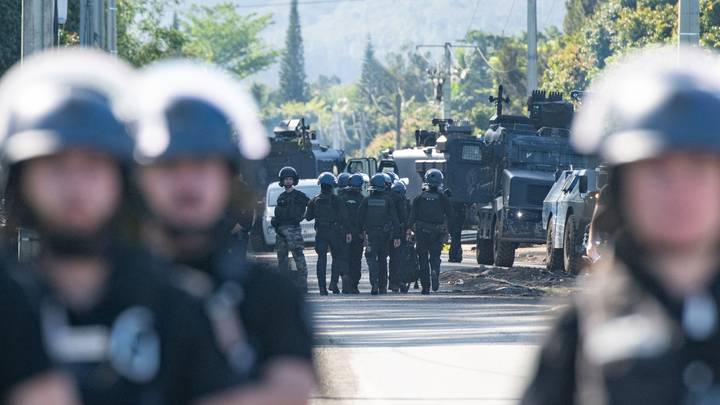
[(144, 342), (431, 211), (271, 319), (353, 198), (402, 206), (378, 219), (331, 226), (23, 354), (653, 356), (289, 211)]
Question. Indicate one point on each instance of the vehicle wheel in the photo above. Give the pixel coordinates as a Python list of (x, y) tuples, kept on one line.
[(504, 252), (554, 257), (483, 250), (572, 259)]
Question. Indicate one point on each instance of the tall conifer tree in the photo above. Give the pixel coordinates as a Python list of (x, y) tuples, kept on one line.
[(292, 68)]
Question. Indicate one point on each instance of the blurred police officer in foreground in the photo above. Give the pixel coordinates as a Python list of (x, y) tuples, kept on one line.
[(647, 328), (27, 376), (289, 211), (331, 232), (258, 315), (352, 197), (431, 212), (378, 220), (108, 314)]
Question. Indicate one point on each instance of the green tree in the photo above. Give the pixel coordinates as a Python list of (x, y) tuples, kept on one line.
[(221, 35), (10, 23), (577, 12), (143, 37), (292, 68)]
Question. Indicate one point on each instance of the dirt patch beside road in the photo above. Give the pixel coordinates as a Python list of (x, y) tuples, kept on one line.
[(527, 278)]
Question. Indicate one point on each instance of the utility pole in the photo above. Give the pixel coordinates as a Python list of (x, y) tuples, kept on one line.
[(92, 24), (38, 20), (689, 22), (447, 83), (532, 81), (444, 81), (112, 27)]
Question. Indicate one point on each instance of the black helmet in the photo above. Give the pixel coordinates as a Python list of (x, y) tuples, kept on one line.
[(378, 181), (186, 109), (286, 172), (343, 179), (651, 105), (356, 180), (44, 111), (434, 178), (388, 179), (399, 187), (327, 179)]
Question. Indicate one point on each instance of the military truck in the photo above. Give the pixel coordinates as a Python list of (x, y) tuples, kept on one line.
[(454, 150), (518, 158), (292, 144), (567, 213)]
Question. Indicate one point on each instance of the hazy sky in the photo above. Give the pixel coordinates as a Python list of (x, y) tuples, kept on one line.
[(335, 31)]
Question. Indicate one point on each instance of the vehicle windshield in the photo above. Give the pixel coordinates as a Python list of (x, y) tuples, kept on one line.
[(311, 190), (558, 155)]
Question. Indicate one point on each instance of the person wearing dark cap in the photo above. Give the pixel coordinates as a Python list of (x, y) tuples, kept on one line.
[(209, 131), (646, 327), (352, 197), (377, 216), (289, 212), (109, 316), (332, 232), (431, 212)]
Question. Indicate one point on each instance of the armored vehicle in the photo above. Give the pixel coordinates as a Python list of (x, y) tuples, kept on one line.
[(519, 157), (292, 144), (454, 150), (567, 213)]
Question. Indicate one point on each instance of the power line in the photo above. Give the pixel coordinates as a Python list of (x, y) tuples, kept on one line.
[(487, 62), (467, 31), (285, 4), (549, 14), (507, 20)]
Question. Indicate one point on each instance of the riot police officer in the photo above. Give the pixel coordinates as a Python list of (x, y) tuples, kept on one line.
[(647, 327), (332, 232), (289, 211), (402, 268), (186, 189), (108, 314), (352, 197), (401, 205), (431, 211), (27, 375), (378, 220)]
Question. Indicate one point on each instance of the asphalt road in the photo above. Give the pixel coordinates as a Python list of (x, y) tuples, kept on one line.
[(412, 349)]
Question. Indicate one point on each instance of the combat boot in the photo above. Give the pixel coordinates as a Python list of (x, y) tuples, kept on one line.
[(374, 291), (425, 291), (323, 291), (334, 288)]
